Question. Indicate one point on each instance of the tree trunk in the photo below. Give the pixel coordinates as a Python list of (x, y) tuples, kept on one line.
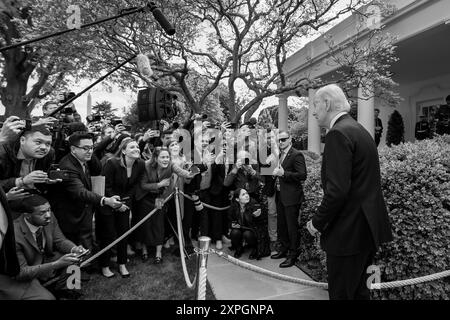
[(232, 112), (12, 98), (249, 113)]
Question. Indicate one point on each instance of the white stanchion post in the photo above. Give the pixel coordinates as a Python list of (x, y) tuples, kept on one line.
[(202, 263)]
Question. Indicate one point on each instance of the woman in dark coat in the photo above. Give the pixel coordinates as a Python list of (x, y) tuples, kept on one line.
[(248, 223), (156, 183), (122, 177)]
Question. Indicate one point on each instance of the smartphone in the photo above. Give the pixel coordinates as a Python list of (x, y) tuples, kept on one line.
[(58, 174), (81, 255), (194, 169), (27, 124)]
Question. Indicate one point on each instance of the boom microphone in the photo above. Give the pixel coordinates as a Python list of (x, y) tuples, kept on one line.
[(165, 24), (143, 65)]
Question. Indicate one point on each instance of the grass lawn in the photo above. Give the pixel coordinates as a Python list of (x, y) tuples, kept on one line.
[(147, 281)]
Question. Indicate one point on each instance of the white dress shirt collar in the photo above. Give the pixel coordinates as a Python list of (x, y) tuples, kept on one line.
[(336, 118)]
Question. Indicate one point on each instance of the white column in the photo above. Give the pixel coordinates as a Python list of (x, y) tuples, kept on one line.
[(366, 114), (313, 126), (282, 112)]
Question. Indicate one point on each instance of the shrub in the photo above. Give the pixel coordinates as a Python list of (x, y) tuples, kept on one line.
[(416, 186), (396, 129)]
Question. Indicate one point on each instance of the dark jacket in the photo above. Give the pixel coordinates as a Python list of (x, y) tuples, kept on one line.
[(217, 181), (257, 224), (10, 165), (118, 184), (33, 263), (73, 198), (9, 264), (352, 215), (247, 219), (291, 188), (148, 185), (242, 179)]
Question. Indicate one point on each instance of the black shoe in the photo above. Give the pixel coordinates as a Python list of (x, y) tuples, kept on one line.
[(158, 260), (238, 253), (289, 262), (279, 255), (253, 255), (260, 256), (144, 257)]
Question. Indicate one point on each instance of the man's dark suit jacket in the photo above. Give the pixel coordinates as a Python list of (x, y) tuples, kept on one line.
[(9, 265), (352, 216), (10, 165), (73, 199), (291, 189), (34, 264)]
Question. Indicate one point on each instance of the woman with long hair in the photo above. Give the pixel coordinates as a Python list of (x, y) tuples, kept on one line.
[(248, 225), (156, 183), (122, 173)]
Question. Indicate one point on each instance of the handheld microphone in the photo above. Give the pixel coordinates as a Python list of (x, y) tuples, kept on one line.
[(143, 65), (164, 23)]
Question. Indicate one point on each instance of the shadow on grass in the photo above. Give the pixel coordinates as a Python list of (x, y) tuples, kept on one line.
[(147, 282)]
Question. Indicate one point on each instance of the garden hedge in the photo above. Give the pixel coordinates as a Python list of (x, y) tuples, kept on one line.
[(416, 186)]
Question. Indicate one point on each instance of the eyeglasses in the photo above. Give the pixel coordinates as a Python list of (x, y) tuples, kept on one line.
[(283, 139), (85, 148)]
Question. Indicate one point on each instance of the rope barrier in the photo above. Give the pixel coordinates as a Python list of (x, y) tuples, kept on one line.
[(374, 286), (205, 204), (269, 273), (189, 284), (402, 283), (95, 256)]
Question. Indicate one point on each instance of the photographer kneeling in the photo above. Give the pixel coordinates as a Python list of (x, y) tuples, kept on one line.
[(43, 253), (248, 225)]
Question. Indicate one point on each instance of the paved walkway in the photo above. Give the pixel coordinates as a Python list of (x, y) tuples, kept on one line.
[(230, 282)]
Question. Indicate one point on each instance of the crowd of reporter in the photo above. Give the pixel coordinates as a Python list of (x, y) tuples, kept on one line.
[(45, 177)]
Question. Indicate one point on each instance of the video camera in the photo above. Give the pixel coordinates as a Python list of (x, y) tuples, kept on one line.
[(115, 122), (92, 118), (156, 104)]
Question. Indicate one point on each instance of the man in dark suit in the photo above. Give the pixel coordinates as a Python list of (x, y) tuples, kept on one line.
[(73, 200), (378, 127), (288, 178), (352, 217), (42, 252)]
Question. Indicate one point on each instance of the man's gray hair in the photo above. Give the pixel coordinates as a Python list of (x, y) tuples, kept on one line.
[(336, 96)]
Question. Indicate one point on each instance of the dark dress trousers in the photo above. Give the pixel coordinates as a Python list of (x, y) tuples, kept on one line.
[(352, 216), (289, 200), (110, 223)]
